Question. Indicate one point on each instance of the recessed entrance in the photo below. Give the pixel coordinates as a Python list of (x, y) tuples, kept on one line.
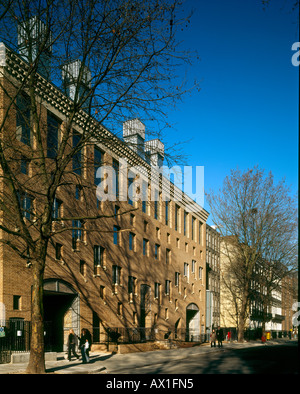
[(61, 313), (193, 322)]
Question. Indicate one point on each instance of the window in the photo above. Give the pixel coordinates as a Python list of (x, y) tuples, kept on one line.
[(77, 232), (82, 267), (57, 209), (53, 126), (99, 253), (168, 256), (167, 213), (158, 232), (116, 178), (186, 270), (177, 279), (102, 292), (78, 192), (24, 165), (177, 209), (120, 308), (193, 228), (17, 302), (131, 241), (116, 277), (156, 204), (116, 235), (144, 196), (145, 247), (130, 191), (200, 273), (131, 285), (193, 266), (58, 251), (157, 252), (134, 317), (145, 226), (26, 205), (117, 210), (166, 314), (23, 133), (167, 287), (77, 159), (185, 223), (132, 219), (157, 290), (98, 162), (200, 233)]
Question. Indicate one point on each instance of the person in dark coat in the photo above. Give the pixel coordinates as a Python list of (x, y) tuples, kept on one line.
[(72, 343), (85, 345), (220, 336)]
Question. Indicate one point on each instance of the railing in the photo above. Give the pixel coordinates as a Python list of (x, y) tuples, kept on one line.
[(14, 337)]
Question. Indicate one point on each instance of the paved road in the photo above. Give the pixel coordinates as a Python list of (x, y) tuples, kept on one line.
[(250, 358), (231, 359)]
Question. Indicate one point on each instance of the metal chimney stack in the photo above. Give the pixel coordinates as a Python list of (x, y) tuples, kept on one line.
[(34, 40)]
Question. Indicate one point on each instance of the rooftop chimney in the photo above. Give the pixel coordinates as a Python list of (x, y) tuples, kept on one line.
[(31, 35), (134, 136), (71, 77), (155, 150)]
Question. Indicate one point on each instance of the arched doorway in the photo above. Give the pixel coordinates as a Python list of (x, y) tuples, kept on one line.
[(192, 323), (61, 313)]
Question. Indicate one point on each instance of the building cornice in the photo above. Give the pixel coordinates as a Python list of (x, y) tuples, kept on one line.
[(52, 95)]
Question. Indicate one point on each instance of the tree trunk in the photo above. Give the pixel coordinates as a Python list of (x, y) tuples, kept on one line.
[(36, 363), (242, 317), (241, 330)]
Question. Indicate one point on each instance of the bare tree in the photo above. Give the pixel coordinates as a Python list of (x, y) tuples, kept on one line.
[(118, 60), (257, 220)]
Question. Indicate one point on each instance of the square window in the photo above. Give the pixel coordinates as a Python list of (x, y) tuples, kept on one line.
[(145, 247), (17, 302), (131, 241), (116, 235), (58, 251), (24, 165), (157, 252)]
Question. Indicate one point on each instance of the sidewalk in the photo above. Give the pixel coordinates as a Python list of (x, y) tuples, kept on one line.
[(108, 363)]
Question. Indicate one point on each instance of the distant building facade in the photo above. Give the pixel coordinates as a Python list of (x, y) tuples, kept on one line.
[(212, 278)]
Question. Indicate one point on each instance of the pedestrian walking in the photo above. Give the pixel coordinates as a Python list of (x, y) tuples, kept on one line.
[(85, 344), (72, 343), (220, 337), (229, 336), (213, 337)]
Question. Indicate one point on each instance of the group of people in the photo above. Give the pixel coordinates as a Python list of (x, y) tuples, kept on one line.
[(216, 335), (85, 342)]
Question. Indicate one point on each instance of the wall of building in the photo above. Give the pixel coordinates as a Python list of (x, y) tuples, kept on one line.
[(89, 291)]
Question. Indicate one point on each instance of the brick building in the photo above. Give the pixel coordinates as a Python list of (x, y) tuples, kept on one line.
[(142, 265)]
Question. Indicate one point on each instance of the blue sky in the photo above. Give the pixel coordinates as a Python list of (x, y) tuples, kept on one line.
[(246, 113)]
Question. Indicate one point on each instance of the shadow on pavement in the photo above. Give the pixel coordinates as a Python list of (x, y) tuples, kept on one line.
[(76, 364)]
